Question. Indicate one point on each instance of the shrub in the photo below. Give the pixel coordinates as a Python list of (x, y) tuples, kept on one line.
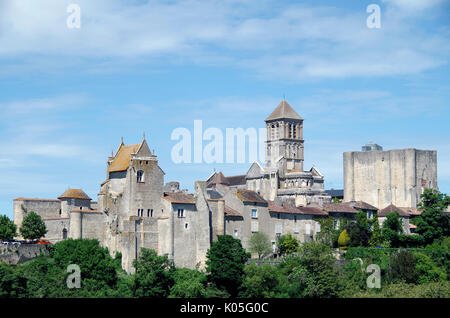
[(427, 270), (403, 267), (344, 240)]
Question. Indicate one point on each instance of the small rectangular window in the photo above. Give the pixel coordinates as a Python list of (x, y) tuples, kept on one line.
[(236, 233), (307, 229), (254, 214), (181, 213), (254, 227)]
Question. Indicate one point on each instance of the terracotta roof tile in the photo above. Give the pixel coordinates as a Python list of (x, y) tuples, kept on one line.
[(74, 194), (250, 196), (339, 208), (411, 211), (122, 158), (237, 180), (230, 212), (311, 210), (86, 210), (179, 197), (276, 208), (392, 208), (35, 199), (363, 206)]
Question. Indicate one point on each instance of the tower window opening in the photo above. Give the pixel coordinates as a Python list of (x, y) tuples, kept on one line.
[(140, 176)]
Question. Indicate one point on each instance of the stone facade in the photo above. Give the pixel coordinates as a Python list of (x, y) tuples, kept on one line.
[(381, 178)]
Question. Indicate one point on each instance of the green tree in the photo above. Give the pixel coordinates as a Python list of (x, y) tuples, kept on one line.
[(188, 283), (327, 232), (33, 227), (359, 231), (432, 224), (261, 281), (427, 270), (259, 243), (12, 284), (98, 271), (403, 267), (44, 279), (225, 263), (287, 244), (376, 238), (392, 228), (7, 228), (311, 272), (154, 275)]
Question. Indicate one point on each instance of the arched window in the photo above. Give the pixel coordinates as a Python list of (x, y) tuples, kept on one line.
[(140, 176), (64, 233)]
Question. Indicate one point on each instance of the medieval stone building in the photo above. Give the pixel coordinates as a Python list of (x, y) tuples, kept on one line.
[(135, 209)]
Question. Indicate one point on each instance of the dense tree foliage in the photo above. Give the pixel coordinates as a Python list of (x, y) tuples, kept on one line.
[(225, 264), (432, 224), (97, 267), (7, 228), (392, 228), (154, 275), (188, 283), (259, 243), (287, 244), (32, 227)]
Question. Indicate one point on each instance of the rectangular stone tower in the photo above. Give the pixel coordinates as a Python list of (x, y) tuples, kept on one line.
[(397, 177)]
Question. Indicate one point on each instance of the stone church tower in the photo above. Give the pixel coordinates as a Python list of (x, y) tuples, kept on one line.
[(283, 177), (285, 138)]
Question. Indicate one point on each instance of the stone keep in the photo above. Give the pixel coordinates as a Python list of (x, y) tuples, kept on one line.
[(381, 178)]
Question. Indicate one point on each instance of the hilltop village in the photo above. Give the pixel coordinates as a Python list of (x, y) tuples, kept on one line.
[(135, 208)]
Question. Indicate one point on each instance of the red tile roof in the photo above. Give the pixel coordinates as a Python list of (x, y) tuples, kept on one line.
[(35, 199), (74, 194), (230, 212), (292, 209), (339, 208), (392, 208), (363, 206), (179, 197), (250, 196)]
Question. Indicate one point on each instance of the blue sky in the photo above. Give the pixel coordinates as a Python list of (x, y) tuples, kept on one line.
[(67, 96)]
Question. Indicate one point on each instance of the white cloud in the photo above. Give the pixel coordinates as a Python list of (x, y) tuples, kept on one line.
[(289, 42), (414, 5)]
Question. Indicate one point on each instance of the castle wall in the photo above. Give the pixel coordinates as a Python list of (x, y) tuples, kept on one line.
[(55, 229), (45, 208), (139, 232), (384, 177)]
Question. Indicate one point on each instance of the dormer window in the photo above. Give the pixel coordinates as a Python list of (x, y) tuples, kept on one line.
[(140, 176)]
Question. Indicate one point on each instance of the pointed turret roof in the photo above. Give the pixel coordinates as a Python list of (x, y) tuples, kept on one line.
[(284, 110)]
